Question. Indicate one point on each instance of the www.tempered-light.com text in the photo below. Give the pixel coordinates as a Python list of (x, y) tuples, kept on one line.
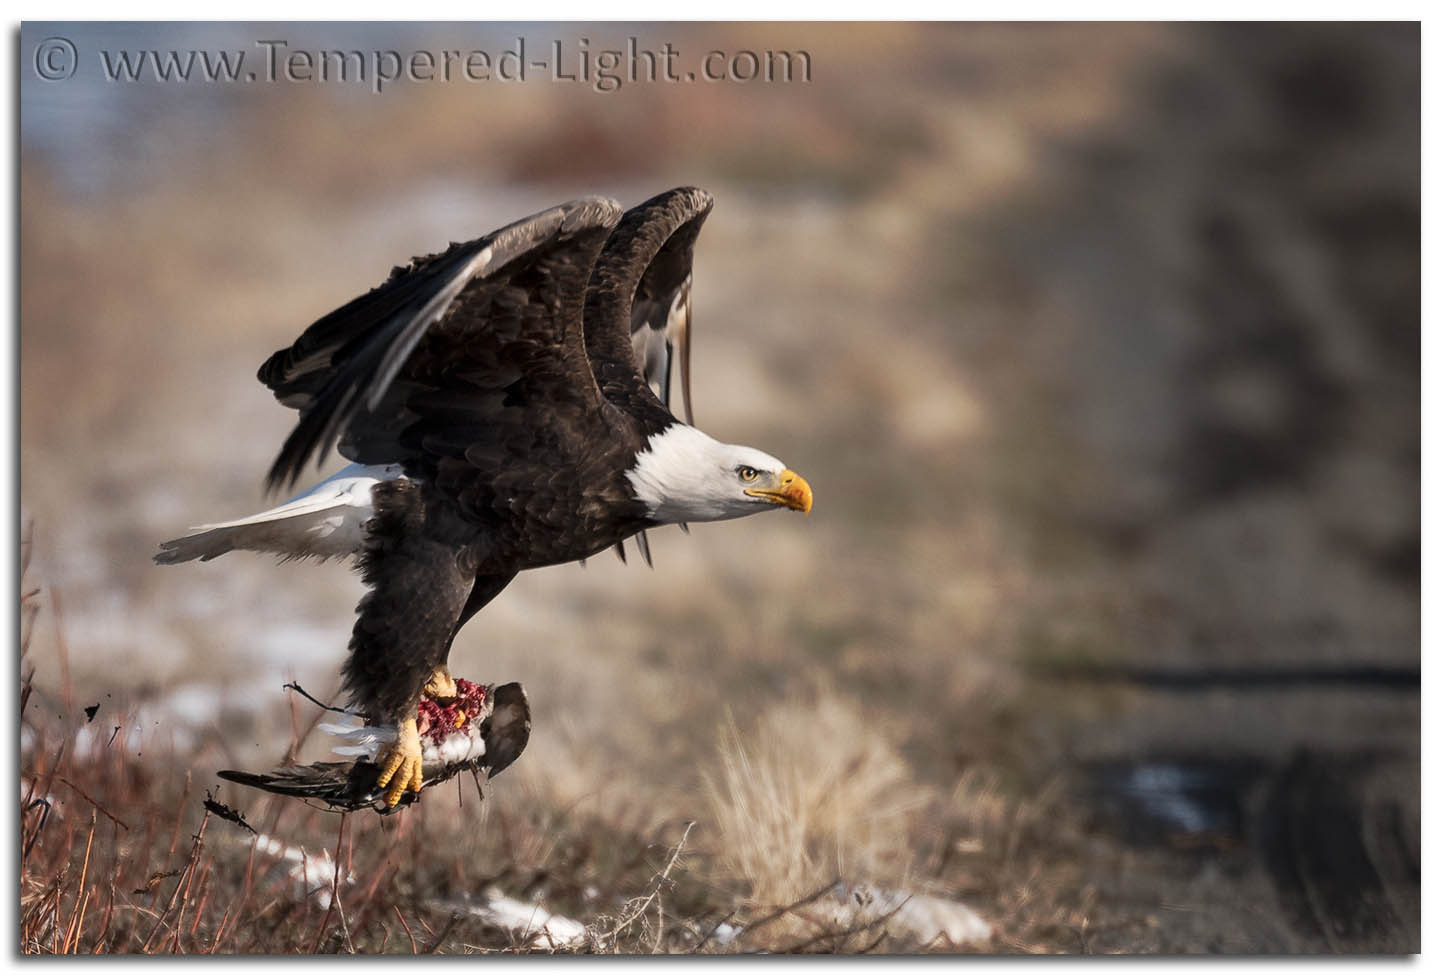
[(574, 62)]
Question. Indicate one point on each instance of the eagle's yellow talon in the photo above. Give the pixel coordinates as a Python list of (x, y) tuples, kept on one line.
[(460, 718), (441, 686), (401, 764)]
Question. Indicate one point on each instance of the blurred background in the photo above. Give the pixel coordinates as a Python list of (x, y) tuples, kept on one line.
[(1098, 343)]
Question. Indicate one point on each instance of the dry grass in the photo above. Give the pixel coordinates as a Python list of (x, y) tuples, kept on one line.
[(126, 849), (812, 794)]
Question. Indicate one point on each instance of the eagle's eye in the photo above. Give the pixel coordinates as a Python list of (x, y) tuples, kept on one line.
[(747, 474)]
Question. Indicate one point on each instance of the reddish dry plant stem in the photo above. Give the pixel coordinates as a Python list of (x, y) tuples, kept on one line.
[(377, 875), (238, 905), (367, 899), (334, 889), (274, 806), (293, 750), (143, 854), (29, 794), (31, 834), (415, 950), (219, 931), (190, 866), (50, 772), (105, 921), (27, 684), (204, 897), (451, 922), (82, 793), (183, 882), (179, 816), (82, 893), (55, 919)]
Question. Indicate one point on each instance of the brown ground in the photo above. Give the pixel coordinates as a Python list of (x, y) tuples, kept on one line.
[(1098, 343)]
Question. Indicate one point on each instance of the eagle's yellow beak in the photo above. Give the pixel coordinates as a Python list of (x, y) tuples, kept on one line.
[(791, 490)]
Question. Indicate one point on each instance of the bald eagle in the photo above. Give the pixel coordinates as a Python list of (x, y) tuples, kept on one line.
[(496, 399)]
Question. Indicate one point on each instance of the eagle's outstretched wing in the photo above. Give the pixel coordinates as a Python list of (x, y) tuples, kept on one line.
[(468, 369), (656, 240), (438, 366)]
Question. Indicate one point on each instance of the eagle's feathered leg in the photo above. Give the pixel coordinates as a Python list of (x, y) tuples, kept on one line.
[(421, 573)]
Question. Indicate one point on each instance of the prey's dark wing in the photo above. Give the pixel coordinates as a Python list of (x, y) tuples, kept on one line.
[(443, 363), (643, 278)]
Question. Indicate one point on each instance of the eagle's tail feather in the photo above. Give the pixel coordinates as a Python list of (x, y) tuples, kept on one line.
[(325, 522)]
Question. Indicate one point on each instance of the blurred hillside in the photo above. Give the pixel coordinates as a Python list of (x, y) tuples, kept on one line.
[(1097, 342)]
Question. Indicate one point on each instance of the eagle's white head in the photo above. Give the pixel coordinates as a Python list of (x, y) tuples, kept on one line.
[(684, 475)]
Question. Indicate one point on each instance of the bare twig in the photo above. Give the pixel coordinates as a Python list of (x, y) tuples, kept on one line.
[(637, 907), (715, 928), (35, 834), (108, 814), (335, 904), (810, 898), (445, 932), (409, 934), (293, 686), (840, 936)]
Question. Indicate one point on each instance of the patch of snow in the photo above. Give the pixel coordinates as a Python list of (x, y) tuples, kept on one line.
[(313, 874), (726, 933), (933, 921), (531, 924)]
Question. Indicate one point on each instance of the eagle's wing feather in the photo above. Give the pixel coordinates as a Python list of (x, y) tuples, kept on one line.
[(644, 272), (661, 308), (469, 370), (473, 320), (640, 276)]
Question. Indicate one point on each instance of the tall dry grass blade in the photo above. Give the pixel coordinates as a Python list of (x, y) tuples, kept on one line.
[(83, 893), (72, 939)]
